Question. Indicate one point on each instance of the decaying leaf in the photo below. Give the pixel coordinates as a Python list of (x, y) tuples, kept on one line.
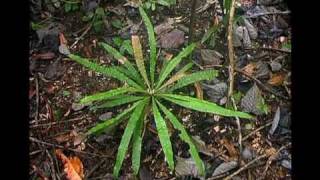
[(173, 39), (201, 145), (253, 101), (225, 167), (199, 91), (186, 167), (250, 68), (230, 148), (275, 122), (73, 166), (211, 57), (277, 79)]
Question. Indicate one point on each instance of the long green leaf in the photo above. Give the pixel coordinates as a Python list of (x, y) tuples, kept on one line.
[(123, 99), (132, 72), (138, 55), (109, 71), (152, 43), (125, 140), (108, 124), (180, 74), (105, 95), (203, 106), (136, 145), (194, 77), (185, 137), (163, 135), (174, 62)]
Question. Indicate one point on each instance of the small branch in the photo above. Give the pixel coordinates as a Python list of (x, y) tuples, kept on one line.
[(245, 167), (231, 50), (70, 149), (81, 36), (53, 175), (268, 13), (239, 130), (256, 130), (56, 122), (270, 49), (37, 99)]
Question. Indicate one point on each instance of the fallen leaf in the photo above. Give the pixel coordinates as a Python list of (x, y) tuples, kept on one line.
[(275, 122), (230, 148), (186, 167), (277, 79), (253, 101), (173, 39), (201, 145), (216, 92), (211, 57), (43, 56), (164, 27), (62, 39), (225, 167), (73, 166), (199, 91), (168, 56), (250, 69)]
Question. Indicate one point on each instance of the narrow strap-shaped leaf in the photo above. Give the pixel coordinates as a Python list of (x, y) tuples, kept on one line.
[(136, 145), (180, 74), (138, 55), (163, 135), (102, 127), (174, 62), (132, 72), (105, 95), (185, 137), (125, 140), (203, 106), (109, 71), (119, 101), (152, 43), (194, 77)]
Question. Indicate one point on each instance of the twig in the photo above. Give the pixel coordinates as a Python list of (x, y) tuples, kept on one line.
[(271, 158), (261, 84), (82, 35), (256, 130), (270, 49), (245, 167), (231, 50), (37, 99), (239, 130), (56, 122), (70, 149), (53, 175), (267, 13), (94, 168)]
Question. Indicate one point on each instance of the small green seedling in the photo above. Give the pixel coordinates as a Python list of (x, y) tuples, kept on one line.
[(149, 93)]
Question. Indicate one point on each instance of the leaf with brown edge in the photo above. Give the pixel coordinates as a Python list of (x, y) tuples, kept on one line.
[(199, 91), (277, 79), (73, 166)]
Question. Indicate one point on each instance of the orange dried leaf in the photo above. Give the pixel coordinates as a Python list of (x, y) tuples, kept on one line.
[(73, 167), (276, 79), (62, 39), (230, 148), (250, 69)]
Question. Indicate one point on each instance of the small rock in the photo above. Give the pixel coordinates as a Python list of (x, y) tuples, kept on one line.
[(105, 116), (173, 39), (275, 66)]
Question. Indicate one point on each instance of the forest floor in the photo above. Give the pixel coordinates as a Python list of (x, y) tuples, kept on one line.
[(262, 42)]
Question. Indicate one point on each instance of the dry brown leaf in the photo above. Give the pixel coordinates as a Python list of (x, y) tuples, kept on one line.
[(277, 79), (168, 56), (230, 148), (250, 68), (62, 39), (199, 91), (73, 166)]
